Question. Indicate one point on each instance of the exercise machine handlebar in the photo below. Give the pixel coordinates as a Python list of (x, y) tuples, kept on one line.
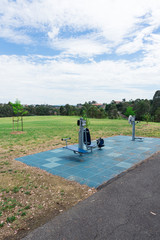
[(65, 139)]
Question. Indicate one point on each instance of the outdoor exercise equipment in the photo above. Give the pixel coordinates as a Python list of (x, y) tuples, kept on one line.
[(131, 120), (84, 140)]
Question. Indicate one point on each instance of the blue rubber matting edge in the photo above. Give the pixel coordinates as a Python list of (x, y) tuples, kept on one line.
[(94, 169)]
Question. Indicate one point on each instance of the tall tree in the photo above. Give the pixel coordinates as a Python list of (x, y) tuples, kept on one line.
[(141, 108), (156, 102)]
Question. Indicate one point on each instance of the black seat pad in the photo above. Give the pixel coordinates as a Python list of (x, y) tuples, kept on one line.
[(86, 137)]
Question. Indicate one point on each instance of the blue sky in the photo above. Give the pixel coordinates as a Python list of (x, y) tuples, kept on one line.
[(70, 51)]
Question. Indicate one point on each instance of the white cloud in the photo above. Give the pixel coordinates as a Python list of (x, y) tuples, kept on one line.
[(84, 47), (139, 41), (15, 36), (52, 34), (81, 29), (115, 20), (60, 82)]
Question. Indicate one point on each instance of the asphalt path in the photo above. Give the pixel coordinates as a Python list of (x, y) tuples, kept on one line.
[(126, 208)]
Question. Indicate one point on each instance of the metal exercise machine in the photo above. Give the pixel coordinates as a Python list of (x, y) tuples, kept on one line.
[(132, 121), (84, 140)]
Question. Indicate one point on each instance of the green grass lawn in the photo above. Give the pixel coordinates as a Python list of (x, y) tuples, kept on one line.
[(48, 131)]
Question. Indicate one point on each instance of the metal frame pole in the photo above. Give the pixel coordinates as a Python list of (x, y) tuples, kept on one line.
[(80, 143), (133, 128)]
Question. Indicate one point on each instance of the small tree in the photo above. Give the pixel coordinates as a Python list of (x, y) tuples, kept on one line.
[(19, 112), (84, 115), (147, 117), (129, 111)]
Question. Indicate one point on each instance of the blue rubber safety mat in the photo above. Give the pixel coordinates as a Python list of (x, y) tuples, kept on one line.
[(99, 166)]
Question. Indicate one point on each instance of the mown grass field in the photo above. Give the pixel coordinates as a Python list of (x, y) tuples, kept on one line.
[(30, 196), (48, 131)]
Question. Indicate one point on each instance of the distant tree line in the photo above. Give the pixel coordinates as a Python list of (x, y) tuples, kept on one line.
[(143, 109), (6, 110)]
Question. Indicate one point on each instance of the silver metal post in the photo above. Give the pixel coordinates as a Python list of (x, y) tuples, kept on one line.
[(81, 130), (133, 128)]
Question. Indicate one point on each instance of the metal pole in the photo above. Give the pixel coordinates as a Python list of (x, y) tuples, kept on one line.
[(133, 128), (80, 144)]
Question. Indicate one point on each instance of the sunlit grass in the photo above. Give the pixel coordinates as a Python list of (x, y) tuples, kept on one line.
[(46, 129)]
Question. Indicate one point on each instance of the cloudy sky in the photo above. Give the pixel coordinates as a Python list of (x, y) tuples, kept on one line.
[(72, 51)]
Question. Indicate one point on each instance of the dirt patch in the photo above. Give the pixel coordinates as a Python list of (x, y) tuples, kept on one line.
[(18, 132)]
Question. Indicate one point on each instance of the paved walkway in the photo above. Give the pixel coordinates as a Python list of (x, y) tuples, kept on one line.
[(93, 169), (127, 208)]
